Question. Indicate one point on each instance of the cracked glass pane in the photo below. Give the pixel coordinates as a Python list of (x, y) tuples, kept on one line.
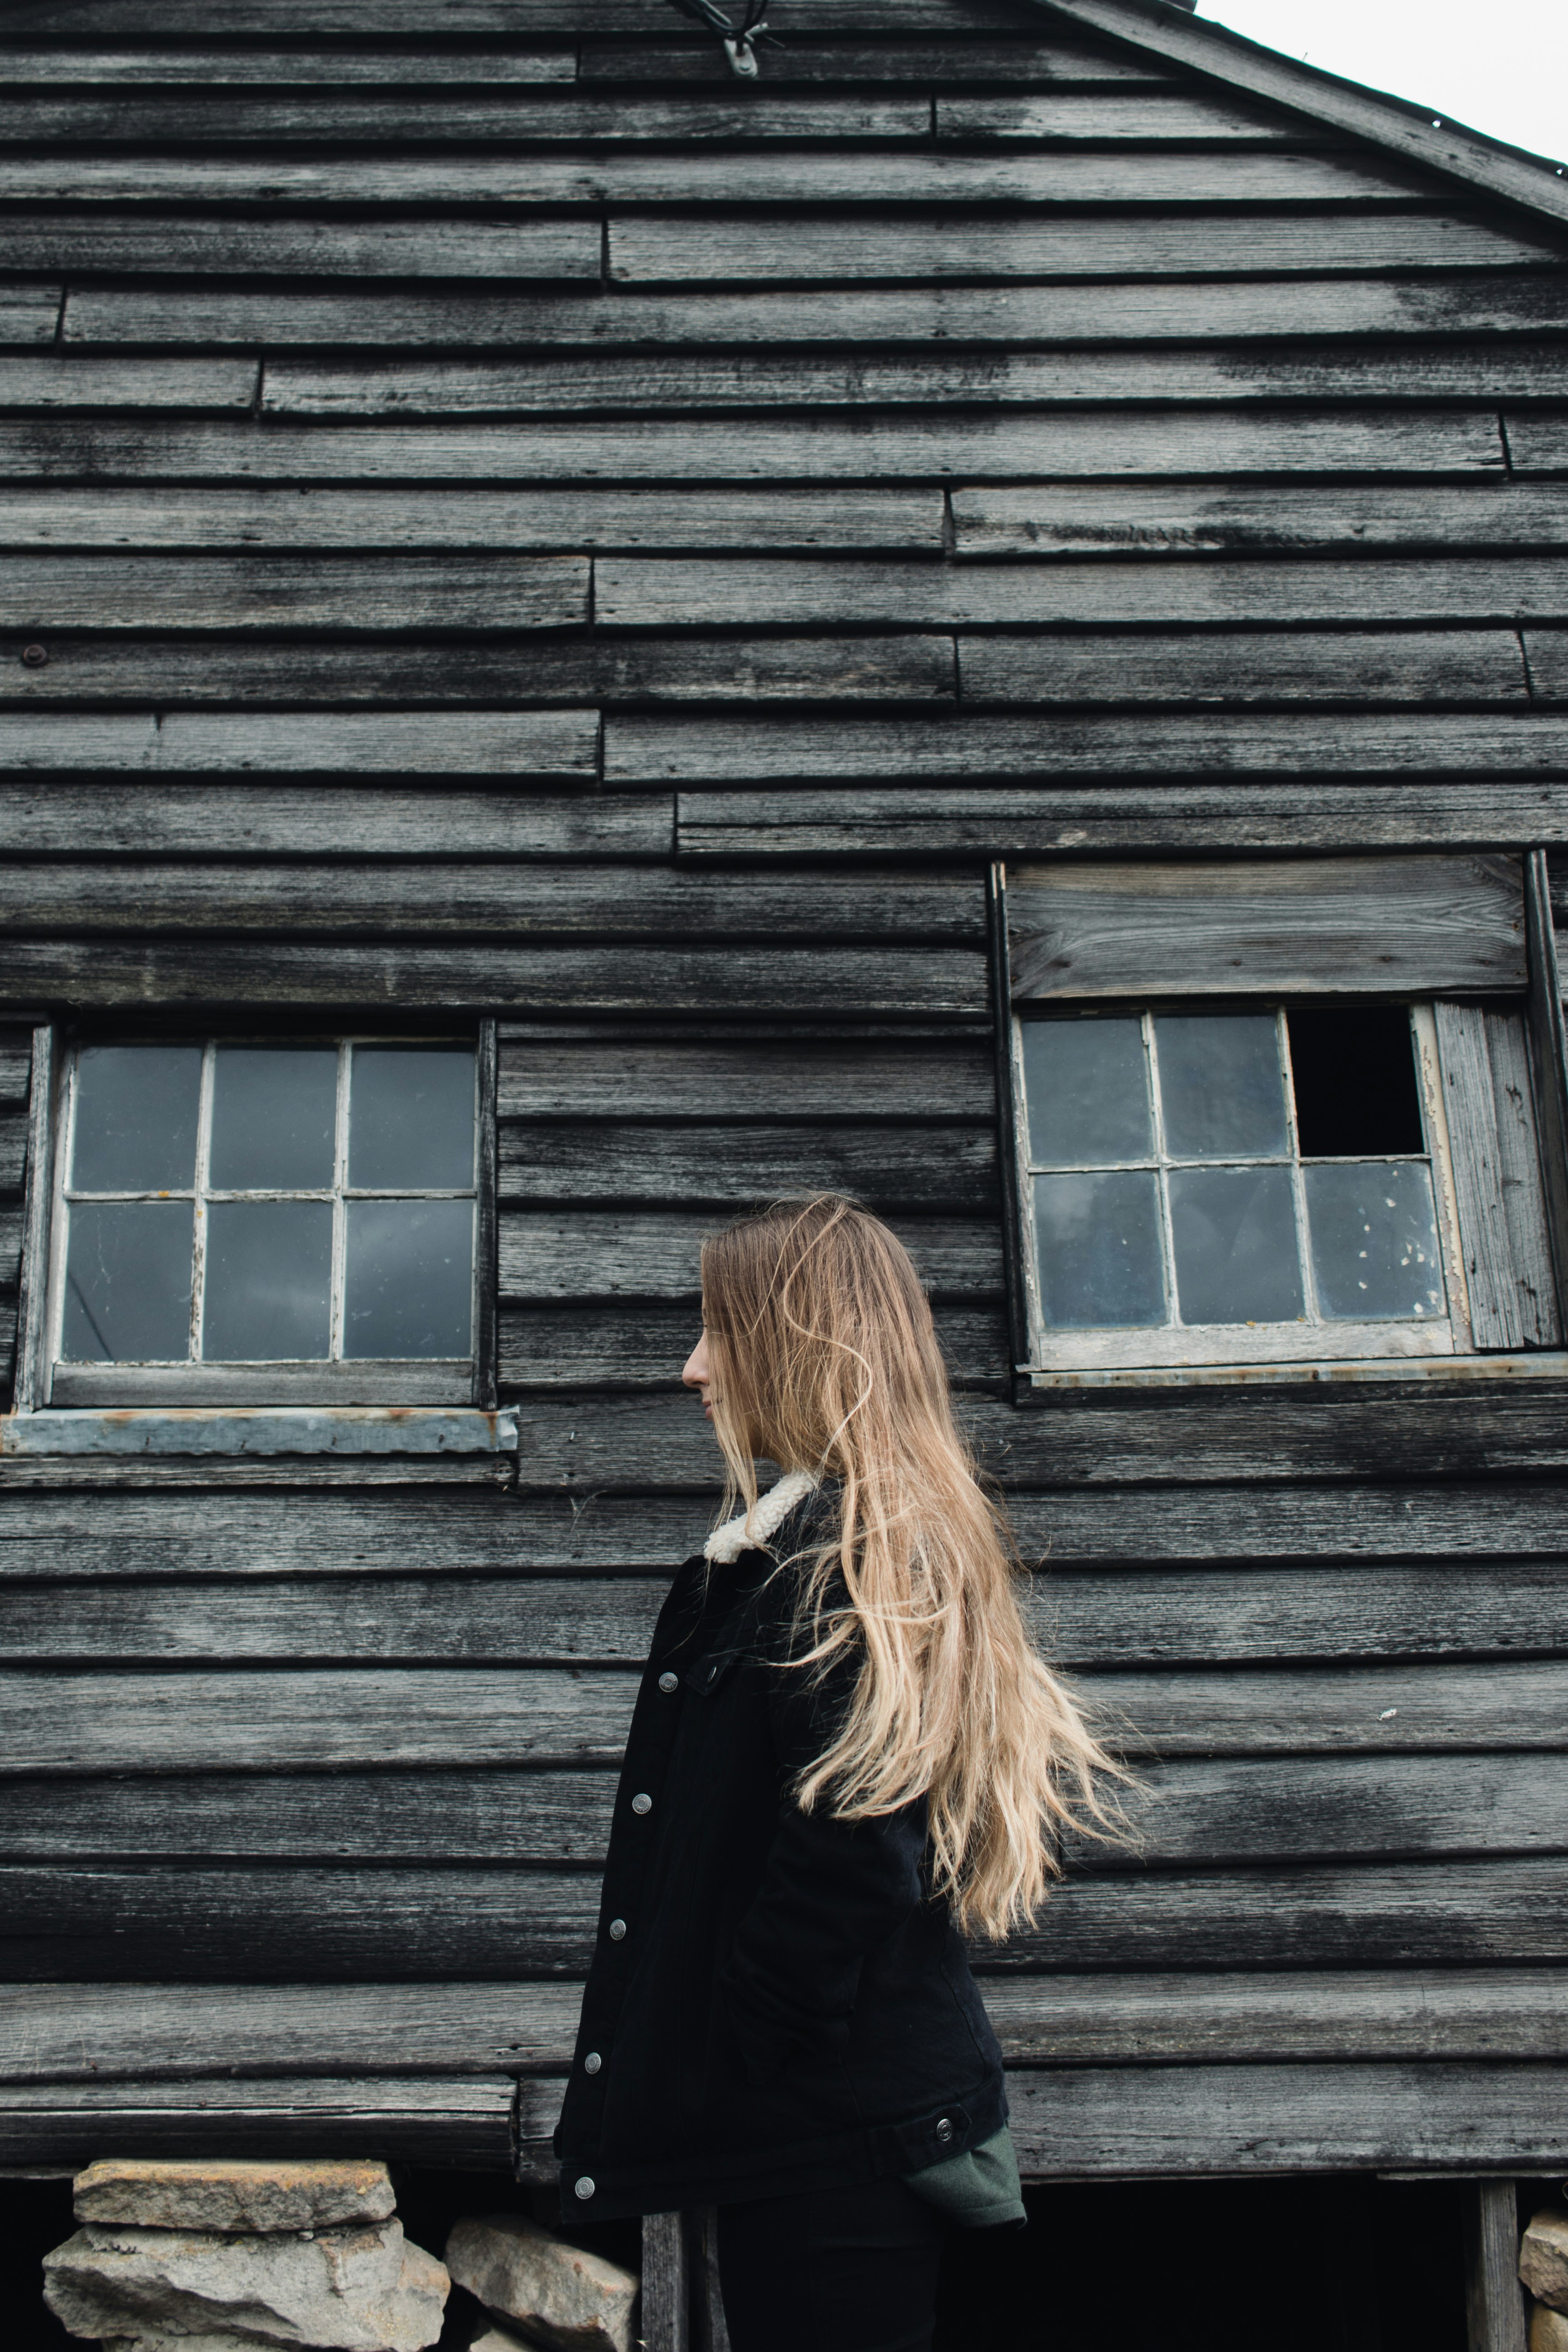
[(1374, 1242), (274, 1119), (136, 1112), (409, 1278), (411, 1118), (128, 1282)]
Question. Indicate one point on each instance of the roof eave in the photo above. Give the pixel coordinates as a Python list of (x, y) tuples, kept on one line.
[(1162, 29)]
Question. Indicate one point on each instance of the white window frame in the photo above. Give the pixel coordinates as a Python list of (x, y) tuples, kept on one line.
[(1309, 1340), (432, 1381)]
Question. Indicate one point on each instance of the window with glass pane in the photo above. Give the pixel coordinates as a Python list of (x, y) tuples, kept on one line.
[(229, 1202), (1215, 1185)]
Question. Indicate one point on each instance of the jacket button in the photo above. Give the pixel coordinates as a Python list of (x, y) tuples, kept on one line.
[(617, 1929), (944, 2131), (668, 1683), (584, 2188), (641, 1804), (592, 2062)]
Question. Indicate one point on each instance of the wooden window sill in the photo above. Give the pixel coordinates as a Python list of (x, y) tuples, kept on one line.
[(1542, 1364), (297, 1429)]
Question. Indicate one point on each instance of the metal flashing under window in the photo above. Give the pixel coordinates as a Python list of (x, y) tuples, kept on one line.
[(345, 1429)]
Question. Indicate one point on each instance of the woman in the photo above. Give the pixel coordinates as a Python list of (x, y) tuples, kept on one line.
[(845, 1752)]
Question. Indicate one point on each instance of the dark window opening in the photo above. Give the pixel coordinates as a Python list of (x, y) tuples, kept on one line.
[(1354, 1069)]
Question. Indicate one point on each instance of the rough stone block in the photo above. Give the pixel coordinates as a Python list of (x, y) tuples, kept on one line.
[(159, 2342), (497, 2338), (1548, 2330), (1543, 2257), (154, 2193), (566, 2299), (344, 2291)]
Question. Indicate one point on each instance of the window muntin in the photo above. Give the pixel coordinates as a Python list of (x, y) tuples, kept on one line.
[(230, 1203), (1192, 1197)]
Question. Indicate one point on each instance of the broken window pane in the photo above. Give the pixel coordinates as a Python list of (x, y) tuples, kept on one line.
[(128, 1282), (136, 1113), (1100, 1253), (1354, 1071), (274, 1119), (409, 1286), (1234, 1231), (411, 1118), (1222, 1091), (269, 1280), (1374, 1242)]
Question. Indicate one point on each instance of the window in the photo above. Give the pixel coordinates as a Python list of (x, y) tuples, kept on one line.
[(253, 1218), (1209, 1185), (1283, 1113)]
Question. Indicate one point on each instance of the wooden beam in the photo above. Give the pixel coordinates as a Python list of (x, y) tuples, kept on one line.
[(1494, 2300), (1549, 1050), (666, 2284), (32, 1371)]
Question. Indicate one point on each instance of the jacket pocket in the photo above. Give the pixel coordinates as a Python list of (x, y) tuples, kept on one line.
[(709, 1673)]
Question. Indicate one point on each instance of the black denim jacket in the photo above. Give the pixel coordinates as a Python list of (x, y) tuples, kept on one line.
[(776, 2001)]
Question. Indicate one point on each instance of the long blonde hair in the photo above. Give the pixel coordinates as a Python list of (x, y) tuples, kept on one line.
[(824, 1358)]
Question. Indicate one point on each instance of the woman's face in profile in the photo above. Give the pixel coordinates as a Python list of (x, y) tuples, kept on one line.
[(697, 1376)]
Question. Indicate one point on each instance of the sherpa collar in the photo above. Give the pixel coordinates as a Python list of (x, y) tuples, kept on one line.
[(751, 1532)]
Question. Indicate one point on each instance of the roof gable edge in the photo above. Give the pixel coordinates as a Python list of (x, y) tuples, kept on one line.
[(1164, 29)]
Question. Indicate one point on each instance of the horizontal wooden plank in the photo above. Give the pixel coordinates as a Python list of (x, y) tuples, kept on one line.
[(96, 1922), (1537, 444), (1215, 520), (300, 821), (1065, 115), (76, 381), (16, 1071), (1432, 667), (416, 591), (469, 742), (593, 1445), (86, 2032), (1490, 372), (597, 1254), (1195, 1814), (994, 823), (589, 1077), (471, 900), (409, 117), (1453, 924), (673, 449), (929, 1166), (543, 1347), (178, 520), (1331, 1432), (1083, 1617), (1493, 303), (869, 175), (489, 20), (1165, 2123), (1546, 650), (13, 1154), (920, 982), (466, 2122), (674, 751), (957, 53), (77, 238), (29, 313), (380, 1717), (120, 68), (654, 251), (630, 591), (471, 671)]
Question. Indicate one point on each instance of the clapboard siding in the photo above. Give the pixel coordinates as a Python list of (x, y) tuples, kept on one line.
[(519, 527)]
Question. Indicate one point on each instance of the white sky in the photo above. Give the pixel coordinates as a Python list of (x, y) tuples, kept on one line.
[(1501, 66)]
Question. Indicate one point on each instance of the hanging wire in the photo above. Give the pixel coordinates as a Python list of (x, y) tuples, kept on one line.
[(738, 40)]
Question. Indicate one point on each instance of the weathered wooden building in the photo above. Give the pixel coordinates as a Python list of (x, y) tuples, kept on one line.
[(584, 642)]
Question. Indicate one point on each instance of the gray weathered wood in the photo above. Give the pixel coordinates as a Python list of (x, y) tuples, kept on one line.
[(930, 1167), (1056, 116), (1063, 518), (1492, 371), (409, 117), (84, 237), (80, 382), (665, 2310), (465, 2122), (649, 250), (581, 1255), (620, 1078), (32, 1302), (1546, 650), (1021, 57), (822, 448), (645, 1345), (233, 819), (1303, 664), (1536, 444), (630, 591), (688, 752), (996, 822), (330, 1718), (1494, 2300), (414, 591), (120, 68), (1523, 1186), (1413, 923), (347, 1924), (181, 521), (1492, 1290), (1145, 312), (29, 314), (471, 900), (918, 982), (1548, 1048), (417, 743)]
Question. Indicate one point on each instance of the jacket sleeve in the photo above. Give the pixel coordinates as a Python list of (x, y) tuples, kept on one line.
[(832, 1891)]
